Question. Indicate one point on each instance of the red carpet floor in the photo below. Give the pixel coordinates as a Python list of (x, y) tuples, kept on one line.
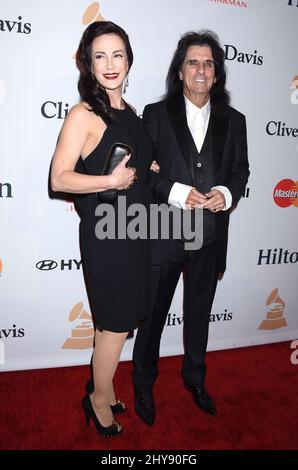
[(255, 389)]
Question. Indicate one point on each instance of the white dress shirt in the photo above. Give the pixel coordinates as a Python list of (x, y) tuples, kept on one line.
[(197, 121)]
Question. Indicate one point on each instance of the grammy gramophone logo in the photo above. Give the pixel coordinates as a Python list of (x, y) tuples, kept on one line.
[(91, 15), (82, 333), (275, 315)]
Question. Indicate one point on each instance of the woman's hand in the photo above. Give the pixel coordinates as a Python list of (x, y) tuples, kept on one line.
[(123, 177), (155, 167)]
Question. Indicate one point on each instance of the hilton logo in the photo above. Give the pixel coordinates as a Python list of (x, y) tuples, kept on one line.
[(277, 256), (54, 109), (5, 190)]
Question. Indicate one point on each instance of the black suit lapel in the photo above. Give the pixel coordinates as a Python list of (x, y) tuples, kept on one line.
[(219, 128), (177, 114)]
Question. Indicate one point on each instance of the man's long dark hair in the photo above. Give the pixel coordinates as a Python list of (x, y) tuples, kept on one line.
[(218, 94), (89, 88)]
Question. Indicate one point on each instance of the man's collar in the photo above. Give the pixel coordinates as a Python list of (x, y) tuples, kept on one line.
[(193, 109)]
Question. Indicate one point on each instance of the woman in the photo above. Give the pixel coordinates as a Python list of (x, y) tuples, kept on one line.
[(116, 270)]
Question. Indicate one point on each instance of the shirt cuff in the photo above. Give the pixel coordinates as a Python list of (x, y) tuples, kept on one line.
[(227, 195), (179, 194)]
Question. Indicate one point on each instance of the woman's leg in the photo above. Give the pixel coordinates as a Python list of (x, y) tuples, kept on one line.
[(108, 347)]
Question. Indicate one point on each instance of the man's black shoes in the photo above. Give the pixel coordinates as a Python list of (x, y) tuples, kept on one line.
[(202, 399), (144, 407)]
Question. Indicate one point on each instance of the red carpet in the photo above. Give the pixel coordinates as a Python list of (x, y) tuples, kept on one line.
[(255, 389)]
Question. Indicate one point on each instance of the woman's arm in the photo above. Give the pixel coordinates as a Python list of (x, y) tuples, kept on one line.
[(73, 137)]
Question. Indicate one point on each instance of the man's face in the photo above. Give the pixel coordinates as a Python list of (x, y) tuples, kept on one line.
[(198, 73)]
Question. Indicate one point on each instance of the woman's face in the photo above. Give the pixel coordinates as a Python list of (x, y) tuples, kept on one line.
[(109, 61)]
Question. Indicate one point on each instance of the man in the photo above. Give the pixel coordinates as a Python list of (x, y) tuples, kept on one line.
[(201, 148)]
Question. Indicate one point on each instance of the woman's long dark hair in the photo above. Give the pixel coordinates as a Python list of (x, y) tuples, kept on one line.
[(218, 93), (89, 88)]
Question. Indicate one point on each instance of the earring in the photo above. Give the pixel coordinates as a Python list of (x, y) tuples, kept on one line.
[(125, 84)]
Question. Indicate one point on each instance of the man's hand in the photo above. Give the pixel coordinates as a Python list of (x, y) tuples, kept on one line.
[(195, 200), (215, 201)]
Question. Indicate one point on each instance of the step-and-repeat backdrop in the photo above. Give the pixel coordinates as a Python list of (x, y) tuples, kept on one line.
[(45, 316)]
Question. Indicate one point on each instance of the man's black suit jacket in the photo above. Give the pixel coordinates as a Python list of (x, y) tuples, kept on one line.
[(167, 126)]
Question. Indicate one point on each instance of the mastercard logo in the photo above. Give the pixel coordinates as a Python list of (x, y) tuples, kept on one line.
[(285, 193), (1, 266)]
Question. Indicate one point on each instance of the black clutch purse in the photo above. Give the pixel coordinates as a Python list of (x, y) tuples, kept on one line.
[(116, 154)]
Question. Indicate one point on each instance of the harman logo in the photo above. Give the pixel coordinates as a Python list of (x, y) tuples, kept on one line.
[(232, 53), (82, 335), (173, 320), (275, 316), (231, 3), (12, 332), (277, 256), (49, 264), (223, 316), (294, 94), (15, 26), (293, 3), (5, 190), (285, 193), (54, 109), (280, 129)]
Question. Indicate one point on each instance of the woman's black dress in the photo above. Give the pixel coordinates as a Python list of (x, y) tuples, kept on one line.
[(117, 270)]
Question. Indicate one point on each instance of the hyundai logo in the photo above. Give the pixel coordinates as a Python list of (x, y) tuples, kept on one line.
[(46, 265)]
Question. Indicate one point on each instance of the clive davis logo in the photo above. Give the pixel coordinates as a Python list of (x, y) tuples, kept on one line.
[(82, 333), (285, 193), (275, 316)]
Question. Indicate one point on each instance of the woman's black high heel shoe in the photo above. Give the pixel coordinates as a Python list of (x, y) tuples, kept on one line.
[(117, 409), (106, 431)]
